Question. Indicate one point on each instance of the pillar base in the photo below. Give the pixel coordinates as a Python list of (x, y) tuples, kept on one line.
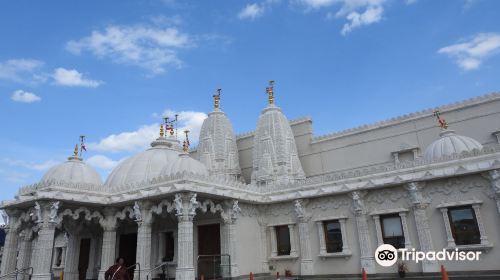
[(101, 274), (184, 274), (306, 267), (369, 265), (430, 266), (44, 276)]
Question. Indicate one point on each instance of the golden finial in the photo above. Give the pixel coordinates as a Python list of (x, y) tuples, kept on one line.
[(75, 152), (217, 99), (185, 145), (270, 92), (442, 122), (162, 133)]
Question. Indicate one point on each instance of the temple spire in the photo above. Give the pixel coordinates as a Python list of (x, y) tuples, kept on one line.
[(442, 122), (270, 92), (217, 100)]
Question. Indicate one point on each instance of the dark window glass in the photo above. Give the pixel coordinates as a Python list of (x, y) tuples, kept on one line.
[(283, 240), (169, 247), (392, 230), (464, 225), (333, 236)]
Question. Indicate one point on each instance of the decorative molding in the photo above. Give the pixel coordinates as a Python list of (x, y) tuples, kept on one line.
[(408, 117), (459, 203)]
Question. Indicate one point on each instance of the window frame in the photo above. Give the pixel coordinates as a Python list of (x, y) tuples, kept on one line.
[(384, 237), (327, 241)]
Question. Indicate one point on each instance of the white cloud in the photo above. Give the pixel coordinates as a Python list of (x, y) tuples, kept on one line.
[(102, 162), (357, 12), (24, 96), (151, 48), (251, 11), (72, 78), (39, 166), (140, 139), (369, 16), (469, 55), (19, 70)]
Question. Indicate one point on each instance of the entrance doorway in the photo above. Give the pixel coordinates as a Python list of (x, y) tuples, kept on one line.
[(127, 249), (209, 261), (83, 259)]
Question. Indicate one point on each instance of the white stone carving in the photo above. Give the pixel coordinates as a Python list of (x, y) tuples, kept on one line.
[(217, 148), (275, 157)]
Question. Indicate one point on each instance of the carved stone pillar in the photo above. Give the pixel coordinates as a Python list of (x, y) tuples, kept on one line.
[(365, 245), (72, 257), (494, 178), (91, 269), (144, 219), (185, 206), (306, 262), (482, 231), (263, 245), (378, 229), (420, 205), (108, 251), (274, 244), (449, 234), (24, 256), (321, 236), (230, 218), (11, 242), (42, 253)]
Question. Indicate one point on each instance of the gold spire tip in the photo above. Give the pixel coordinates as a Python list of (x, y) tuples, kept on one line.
[(442, 122), (270, 92)]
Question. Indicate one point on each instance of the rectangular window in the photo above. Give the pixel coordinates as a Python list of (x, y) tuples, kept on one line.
[(283, 240), (333, 236), (392, 230), (464, 225)]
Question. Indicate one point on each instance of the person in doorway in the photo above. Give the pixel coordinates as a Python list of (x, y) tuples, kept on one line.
[(118, 271)]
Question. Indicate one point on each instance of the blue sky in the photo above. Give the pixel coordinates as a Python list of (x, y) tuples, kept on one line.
[(110, 69)]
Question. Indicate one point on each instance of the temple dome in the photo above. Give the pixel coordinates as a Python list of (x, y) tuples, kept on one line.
[(217, 149), (145, 165), (184, 163), (163, 158), (73, 171), (450, 143), (275, 157)]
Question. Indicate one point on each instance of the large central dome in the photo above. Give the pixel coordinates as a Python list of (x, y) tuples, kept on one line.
[(154, 162)]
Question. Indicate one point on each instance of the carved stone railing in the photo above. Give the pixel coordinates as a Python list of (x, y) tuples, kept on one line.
[(27, 190), (233, 183)]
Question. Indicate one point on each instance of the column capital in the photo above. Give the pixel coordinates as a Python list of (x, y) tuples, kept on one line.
[(358, 202), (47, 212), (142, 212), (109, 221), (232, 211), (185, 206), (416, 197), (300, 210)]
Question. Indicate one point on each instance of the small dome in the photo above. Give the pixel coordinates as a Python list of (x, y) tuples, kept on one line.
[(145, 165), (75, 171), (450, 143), (184, 163)]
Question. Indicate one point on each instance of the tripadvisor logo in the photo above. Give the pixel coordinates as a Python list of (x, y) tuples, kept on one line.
[(387, 255)]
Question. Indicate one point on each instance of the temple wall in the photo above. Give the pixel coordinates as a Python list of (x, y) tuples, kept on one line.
[(373, 145)]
